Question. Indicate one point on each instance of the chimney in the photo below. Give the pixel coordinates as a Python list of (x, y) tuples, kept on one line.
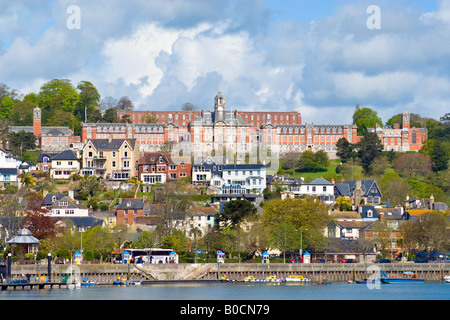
[(332, 181)]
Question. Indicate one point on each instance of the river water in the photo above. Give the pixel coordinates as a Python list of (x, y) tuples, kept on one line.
[(432, 290)]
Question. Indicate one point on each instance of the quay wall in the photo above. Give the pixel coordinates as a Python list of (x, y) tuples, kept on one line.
[(106, 273)]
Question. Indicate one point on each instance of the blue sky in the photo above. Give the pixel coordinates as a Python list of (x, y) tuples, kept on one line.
[(316, 57)]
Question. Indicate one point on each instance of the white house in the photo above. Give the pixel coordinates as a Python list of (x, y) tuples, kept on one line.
[(66, 207), (243, 178), (64, 164), (319, 187), (7, 160), (8, 176)]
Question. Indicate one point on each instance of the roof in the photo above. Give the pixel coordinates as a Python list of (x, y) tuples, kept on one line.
[(347, 187), (86, 222), (24, 237), (149, 158), (128, 204), (72, 204), (8, 171), (243, 166), (320, 181), (50, 198), (49, 155), (111, 144), (65, 155)]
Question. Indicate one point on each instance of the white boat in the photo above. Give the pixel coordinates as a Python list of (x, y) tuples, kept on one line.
[(296, 278), (273, 279), (447, 279)]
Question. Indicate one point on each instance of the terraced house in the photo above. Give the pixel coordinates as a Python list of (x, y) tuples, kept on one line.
[(112, 159)]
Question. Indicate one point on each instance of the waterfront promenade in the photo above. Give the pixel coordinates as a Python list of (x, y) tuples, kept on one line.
[(153, 273)]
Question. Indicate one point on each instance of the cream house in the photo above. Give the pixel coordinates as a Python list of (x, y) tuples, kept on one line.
[(64, 164), (112, 159)]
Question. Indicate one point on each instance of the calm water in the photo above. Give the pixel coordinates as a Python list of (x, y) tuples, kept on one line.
[(241, 291)]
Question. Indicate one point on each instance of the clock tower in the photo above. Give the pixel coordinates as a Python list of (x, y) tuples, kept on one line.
[(37, 122)]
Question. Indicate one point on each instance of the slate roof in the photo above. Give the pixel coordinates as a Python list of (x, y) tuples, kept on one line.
[(243, 166), (111, 144), (131, 204), (347, 187), (83, 222), (8, 171), (24, 237), (320, 181), (48, 199), (42, 155), (65, 155)]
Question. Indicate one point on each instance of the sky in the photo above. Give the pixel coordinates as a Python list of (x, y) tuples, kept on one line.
[(320, 58)]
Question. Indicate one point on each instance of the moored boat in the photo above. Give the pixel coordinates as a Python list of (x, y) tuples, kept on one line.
[(447, 279), (408, 277), (296, 278), (273, 279)]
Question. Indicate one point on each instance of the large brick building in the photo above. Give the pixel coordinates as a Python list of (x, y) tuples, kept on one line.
[(233, 135)]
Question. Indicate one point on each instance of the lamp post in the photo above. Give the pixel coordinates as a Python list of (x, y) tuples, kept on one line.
[(301, 243)]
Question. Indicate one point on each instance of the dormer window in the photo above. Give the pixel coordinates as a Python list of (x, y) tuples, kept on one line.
[(128, 204), (64, 203), (369, 213)]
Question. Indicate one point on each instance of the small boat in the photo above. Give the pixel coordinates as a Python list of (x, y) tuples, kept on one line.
[(296, 278), (447, 279), (273, 279), (88, 284), (127, 283), (408, 277), (249, 279)]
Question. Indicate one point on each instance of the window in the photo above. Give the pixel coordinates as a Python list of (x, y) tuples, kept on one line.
[(369, 214), (114, 154), (113, 164), (58, 163), (70, 163)]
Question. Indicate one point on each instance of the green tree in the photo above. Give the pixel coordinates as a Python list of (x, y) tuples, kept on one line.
[(369, 147), (22, 113), (235, 212), (284, 236), (344, 149), (21, 141), (440, 155), (57, 94), (313, 162), (88, 106), (98, 239), (365, 118), (6, 105)]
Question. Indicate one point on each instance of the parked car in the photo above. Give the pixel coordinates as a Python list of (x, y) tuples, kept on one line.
[(444, 260), (383, 261), (420, 260)]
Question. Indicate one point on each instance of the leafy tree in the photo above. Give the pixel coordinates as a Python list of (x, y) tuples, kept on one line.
[(6, 105), (89, 102), (395, 189), (412, 165), (125, 103), (235, 212), (440, 155), (176, 241), (57, 94), (110, 115), (343, 203), (313, 162), (21, 141), (365, 118), (369, 147), (22, 113), (303, 213), (99, 240), (290, 160), (344, 150), (188, 107), (284, 236), (41, 226)]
